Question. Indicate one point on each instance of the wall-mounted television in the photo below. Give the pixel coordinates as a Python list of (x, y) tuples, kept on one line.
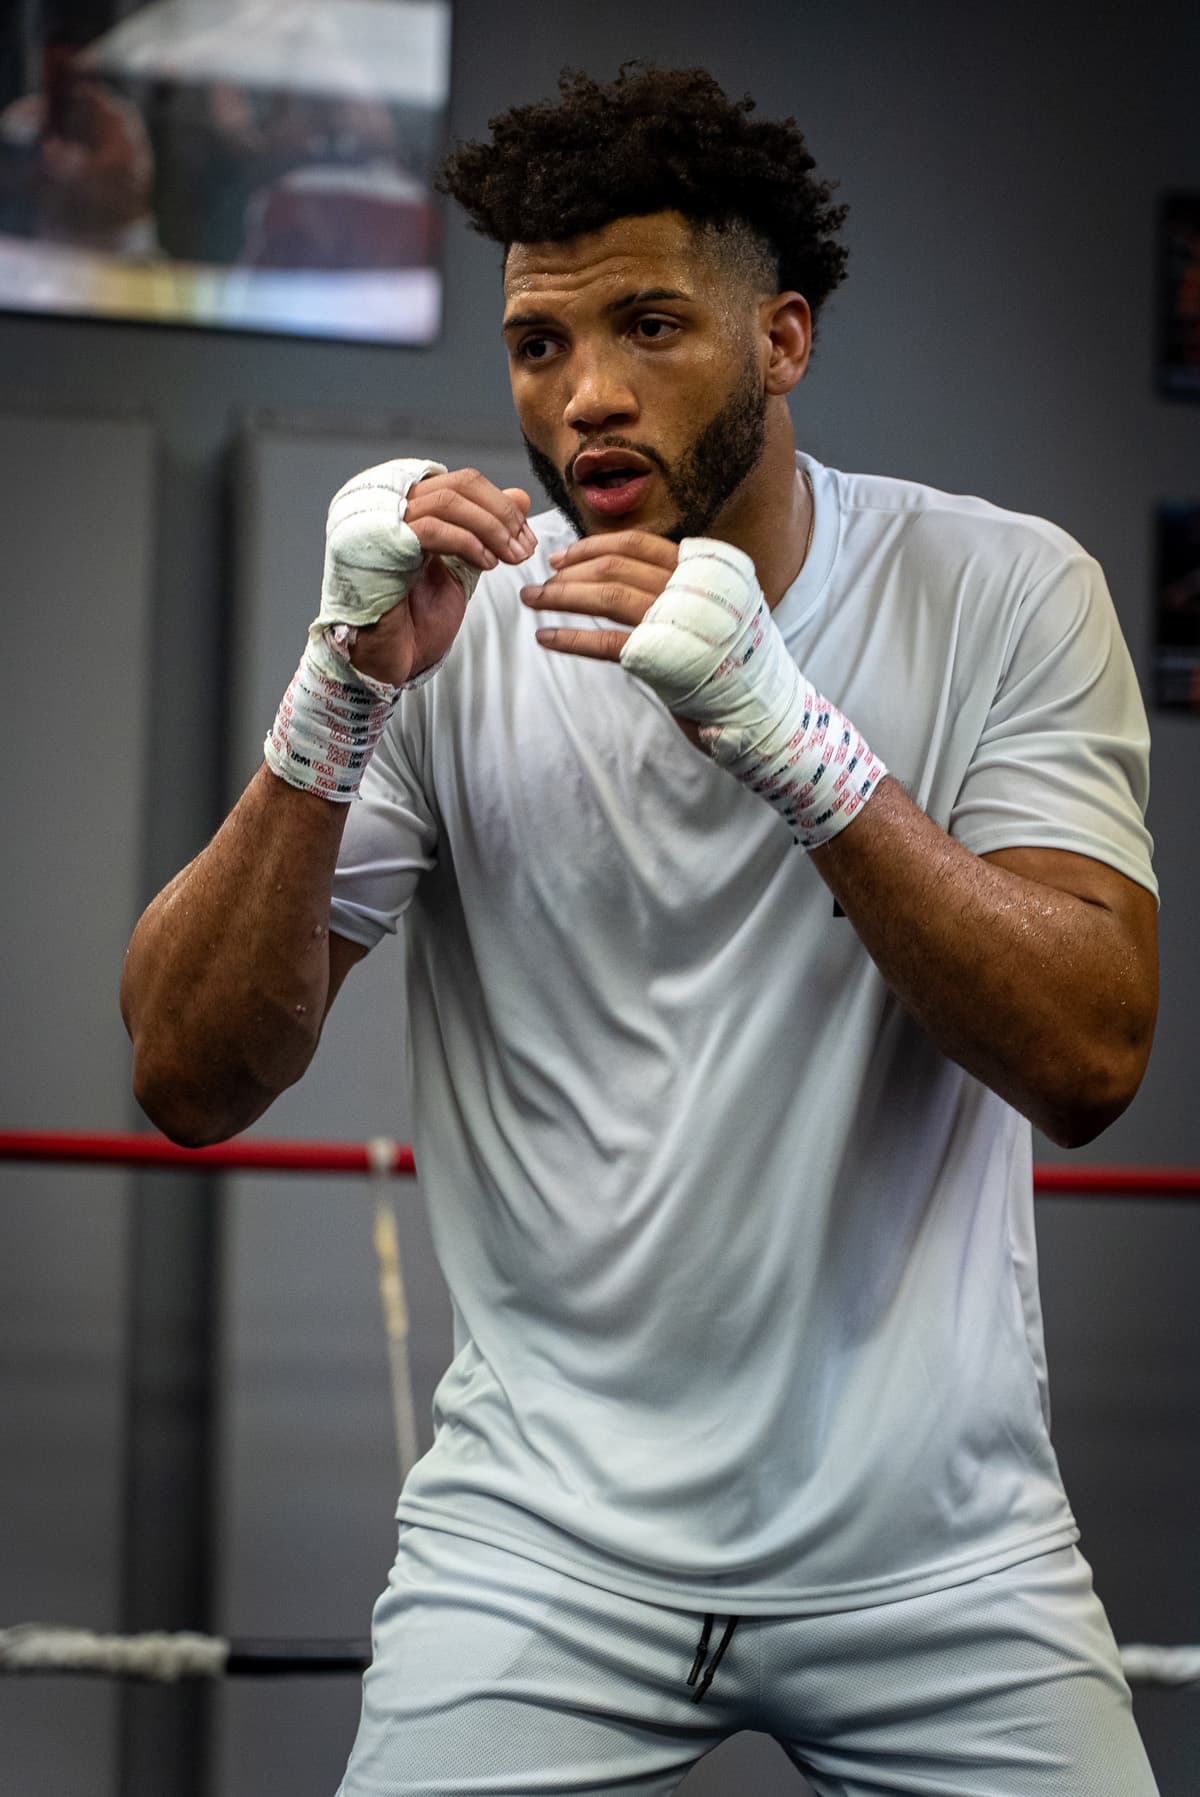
[(261, 165)]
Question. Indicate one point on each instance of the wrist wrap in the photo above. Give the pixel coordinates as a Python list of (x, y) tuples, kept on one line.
[(711, 650), (332, 715), (328, 722)]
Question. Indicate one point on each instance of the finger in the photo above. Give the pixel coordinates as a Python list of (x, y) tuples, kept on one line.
[(527, 535), (594, 599), (594, 645), (637, 545), (443, 493), (481, 509), (510, 504), (520, 499), (438, 537), (448, 505), (616, 570)]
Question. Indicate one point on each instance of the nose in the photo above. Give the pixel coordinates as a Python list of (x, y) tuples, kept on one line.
[(600, 397)]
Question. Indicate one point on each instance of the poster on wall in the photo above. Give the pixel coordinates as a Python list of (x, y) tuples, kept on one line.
[(1177, 635), (1179, 296), (258, 165)]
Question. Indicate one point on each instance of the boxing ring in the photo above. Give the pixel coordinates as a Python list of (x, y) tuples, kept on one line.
[(31, 1648)]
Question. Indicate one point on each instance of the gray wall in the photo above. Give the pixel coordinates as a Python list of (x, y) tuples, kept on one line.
[(1003, 166), (77, 610)]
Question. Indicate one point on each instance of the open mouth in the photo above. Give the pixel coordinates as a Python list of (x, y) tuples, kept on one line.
[(611, 480), (616, 497), (611, 477)]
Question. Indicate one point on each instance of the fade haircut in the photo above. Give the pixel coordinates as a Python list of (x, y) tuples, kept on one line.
[(656, 140)]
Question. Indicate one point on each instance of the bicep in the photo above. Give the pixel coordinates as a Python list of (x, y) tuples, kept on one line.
[(343, 955)]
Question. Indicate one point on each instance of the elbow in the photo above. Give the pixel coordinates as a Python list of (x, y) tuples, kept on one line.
[(1103, 1068), (1098, 1091), (194, 1106), (186, 1115), (200, 1087), (1075, 1127)]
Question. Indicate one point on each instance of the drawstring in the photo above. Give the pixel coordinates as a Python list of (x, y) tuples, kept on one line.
[(701, 1652), (705, 1638)]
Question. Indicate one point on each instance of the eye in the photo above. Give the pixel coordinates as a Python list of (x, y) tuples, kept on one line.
[(536, 349), (655, 330)]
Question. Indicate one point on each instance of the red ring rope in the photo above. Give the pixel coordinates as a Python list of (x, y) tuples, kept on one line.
[(1118, 1182), (247, 1154), (260, 1154)]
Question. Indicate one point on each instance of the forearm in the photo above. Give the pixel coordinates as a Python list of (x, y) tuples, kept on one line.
[(1042, 994), (227, 975), (1035, 969)]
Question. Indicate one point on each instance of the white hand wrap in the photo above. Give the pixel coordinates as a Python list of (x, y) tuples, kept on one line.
[(712, 652), (332, 716), (371, 556)]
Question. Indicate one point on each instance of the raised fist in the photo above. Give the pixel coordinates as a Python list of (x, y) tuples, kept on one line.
[(405, 543)]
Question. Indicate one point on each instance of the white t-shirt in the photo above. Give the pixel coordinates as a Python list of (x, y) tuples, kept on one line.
[(743, 1268)]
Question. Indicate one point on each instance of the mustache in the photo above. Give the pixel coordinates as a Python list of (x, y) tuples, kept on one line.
[(642, 449)]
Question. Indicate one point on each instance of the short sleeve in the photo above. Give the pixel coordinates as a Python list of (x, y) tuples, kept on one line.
[(390, 841), (1063, 760)]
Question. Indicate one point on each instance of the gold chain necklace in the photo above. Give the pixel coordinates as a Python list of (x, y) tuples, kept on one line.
[(812, 516)]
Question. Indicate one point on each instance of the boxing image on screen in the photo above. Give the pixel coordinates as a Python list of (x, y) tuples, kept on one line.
[(240, 165)]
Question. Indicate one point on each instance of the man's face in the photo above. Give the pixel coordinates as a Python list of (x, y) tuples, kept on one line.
[(636, 376)]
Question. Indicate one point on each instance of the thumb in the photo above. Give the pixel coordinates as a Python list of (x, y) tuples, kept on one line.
[(520, 498)]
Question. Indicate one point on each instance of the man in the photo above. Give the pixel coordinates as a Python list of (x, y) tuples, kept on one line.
[(722, 1062)]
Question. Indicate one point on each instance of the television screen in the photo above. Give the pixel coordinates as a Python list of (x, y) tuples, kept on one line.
[(259, 165)]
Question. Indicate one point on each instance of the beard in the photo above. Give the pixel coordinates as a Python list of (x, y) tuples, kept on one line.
[(707, 474)]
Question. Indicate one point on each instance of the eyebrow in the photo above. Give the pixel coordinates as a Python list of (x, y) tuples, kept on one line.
[(641, 296)]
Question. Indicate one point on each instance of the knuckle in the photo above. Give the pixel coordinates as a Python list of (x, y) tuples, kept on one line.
[(457, 509)]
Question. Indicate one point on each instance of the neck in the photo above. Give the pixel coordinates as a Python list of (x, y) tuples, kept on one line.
[(770, 514)]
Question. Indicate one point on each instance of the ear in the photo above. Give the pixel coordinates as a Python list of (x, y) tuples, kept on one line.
[(786, 325)]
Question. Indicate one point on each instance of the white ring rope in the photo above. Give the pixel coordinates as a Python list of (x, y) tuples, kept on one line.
[(1161, 1665), (33, 1647), (30, 1647)]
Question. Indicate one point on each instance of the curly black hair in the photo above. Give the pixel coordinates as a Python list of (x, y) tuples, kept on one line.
[(653, 140)]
